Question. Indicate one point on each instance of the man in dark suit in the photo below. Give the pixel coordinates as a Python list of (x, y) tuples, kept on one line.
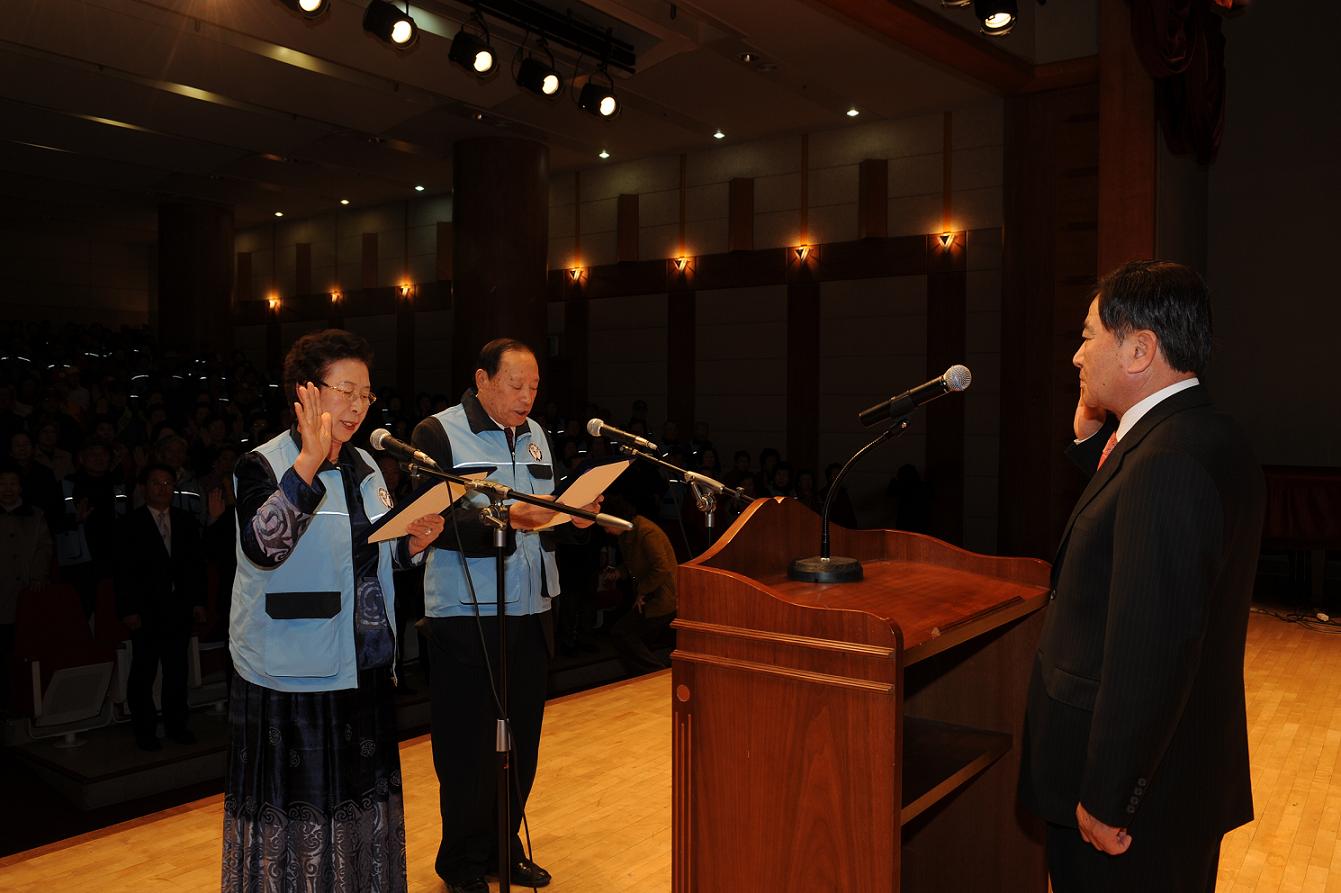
[(1136, 741), (160, 593)]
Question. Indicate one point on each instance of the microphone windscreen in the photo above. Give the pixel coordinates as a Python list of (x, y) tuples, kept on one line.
[(958, 378), (594, 427), (377, 436)]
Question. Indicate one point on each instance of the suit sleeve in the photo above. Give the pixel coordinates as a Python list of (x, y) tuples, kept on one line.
[(463, 517), (1167, 542), (127, 592)]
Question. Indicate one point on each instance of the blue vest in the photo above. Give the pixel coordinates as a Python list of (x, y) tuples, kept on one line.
[(292, 626), (529, 470)]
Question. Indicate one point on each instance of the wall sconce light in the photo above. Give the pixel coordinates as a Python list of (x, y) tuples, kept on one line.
[(406, 290), (681, 264), (273, 302), (947, 241), (802, 252), (576, 273), (336, 296)]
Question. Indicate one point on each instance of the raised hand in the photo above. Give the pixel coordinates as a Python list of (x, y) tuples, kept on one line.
[(1088, 420), (315, 428)]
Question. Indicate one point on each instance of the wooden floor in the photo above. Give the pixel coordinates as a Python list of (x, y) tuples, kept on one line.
[(600, 813)]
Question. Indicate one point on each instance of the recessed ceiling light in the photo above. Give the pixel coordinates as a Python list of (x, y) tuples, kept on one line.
[(719, 135), (418, 189), (853, 112), (747, 57), (603, 155), (344, 201), (279, 213)]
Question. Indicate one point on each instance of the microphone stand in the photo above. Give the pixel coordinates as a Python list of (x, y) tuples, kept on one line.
[(823, 568), (705, 489), (497, 517)]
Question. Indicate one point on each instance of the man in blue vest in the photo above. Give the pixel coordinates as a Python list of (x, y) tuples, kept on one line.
[(489, 430)]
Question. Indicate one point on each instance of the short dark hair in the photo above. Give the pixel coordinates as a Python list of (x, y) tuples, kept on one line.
[(151, 467), (1170, 300), (312, 354), (491, 354)]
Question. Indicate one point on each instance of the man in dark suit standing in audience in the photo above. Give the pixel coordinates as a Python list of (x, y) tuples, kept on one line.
[(160, 593), (1136, 740)]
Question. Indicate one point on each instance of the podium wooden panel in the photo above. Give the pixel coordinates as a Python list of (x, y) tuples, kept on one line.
[(852, 737)]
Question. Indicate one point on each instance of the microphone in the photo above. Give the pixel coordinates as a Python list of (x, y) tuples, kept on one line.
[(598, 428), (381, 439), (956, 378), (612, 521)]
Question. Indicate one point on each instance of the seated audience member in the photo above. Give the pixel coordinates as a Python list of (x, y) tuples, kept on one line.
[(48, 451), (40, 488), (841, 512), (25, 556), (160, 594), (647, 563), (781, 482), (763, 480), (805, 489)]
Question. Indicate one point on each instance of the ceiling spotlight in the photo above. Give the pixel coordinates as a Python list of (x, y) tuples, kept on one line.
[(997, 16), (853, 112), (747, 57), (719, 135), (386, 22), (602, 154), (279, 213), (597, 98), (308, 9), (344, 201), (472, 51), (418, 188), (539, 77), (952, 4)]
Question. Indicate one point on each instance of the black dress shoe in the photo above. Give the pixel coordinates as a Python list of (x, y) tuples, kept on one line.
[(474, 885), (526, 873)]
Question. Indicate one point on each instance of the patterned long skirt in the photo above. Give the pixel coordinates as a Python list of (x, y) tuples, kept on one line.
[(313, 799)]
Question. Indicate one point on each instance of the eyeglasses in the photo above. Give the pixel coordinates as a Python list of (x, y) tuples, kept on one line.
[(351, 395)]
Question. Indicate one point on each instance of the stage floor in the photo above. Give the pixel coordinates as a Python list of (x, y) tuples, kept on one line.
[(601, 810)]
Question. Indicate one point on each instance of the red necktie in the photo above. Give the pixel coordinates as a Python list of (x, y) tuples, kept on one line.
[(1108, 448)]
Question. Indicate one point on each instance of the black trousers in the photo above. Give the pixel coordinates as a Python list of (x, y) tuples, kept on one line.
[(151, 647), (464, 726), (630, 635), (1182, 861)]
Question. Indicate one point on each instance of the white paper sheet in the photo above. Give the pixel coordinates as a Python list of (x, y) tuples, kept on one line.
[(585, 489), (432, 502)]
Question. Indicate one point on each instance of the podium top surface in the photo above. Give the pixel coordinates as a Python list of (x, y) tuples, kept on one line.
[(929, 593), (926, 600)]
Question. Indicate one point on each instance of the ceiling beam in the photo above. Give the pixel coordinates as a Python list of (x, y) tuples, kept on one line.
[(921, 31)]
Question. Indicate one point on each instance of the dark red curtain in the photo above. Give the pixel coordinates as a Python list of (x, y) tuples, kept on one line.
[(1181, 44)]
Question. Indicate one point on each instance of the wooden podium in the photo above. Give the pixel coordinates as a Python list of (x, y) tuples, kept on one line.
[(852, 737)]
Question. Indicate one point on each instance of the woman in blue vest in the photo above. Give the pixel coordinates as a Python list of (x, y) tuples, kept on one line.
[(313, 798)]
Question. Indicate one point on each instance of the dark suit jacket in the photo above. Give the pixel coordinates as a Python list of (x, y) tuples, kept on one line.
[(162, 589), (1136, 705)]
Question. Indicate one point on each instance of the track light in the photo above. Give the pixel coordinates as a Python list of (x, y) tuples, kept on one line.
[(473, 51), (997, 17), (308, 9), (539, 77), (597, 98), (386, 22)]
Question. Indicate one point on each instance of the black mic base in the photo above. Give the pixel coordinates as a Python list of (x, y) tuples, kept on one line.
[(836, 569)]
